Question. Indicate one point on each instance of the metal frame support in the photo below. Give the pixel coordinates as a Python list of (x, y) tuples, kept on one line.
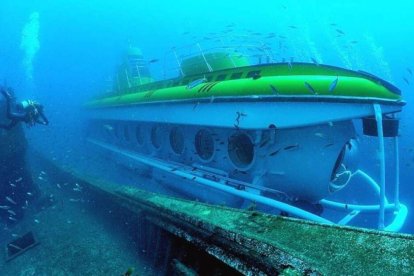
[(127, 78), (204, 57), (188, 173), (397, 174), (139, 74), (178, 62), (378, 118)]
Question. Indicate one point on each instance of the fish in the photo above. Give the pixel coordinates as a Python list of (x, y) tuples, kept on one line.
[(108, 127), (274, 153), (4, 207), (11, 212), (333, 84), (26, 203), (340, 31), (410, 71), (291, 147), (29, 193), (153, 60), (58, 185), (19, 179), (319, 134), (278, 173), (40, 178), (274, 90), (406, 81), (73, 200), (14, 235), (292, 27), (310, 88), (36, 220), (211, 99), (12, 184), (354, 42), (10, 200), (264, 143), (15, 246), (328, 145), (330, 124), (195, 106), (314, 61), (12, 218), (42, 172), (77, 190)]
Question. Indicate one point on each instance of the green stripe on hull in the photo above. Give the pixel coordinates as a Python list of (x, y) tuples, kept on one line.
[(287, 85)]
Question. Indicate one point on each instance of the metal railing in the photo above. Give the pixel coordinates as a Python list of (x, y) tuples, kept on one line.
[(255, 53)]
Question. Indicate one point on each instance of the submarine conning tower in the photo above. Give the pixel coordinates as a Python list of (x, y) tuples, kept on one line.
[(132, 72)]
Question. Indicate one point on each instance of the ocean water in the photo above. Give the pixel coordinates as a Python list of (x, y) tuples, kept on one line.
[(62, 53)]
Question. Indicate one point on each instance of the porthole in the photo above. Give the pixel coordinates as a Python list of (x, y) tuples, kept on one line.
[(156, 137), (204, 144), (241, 150), (177, 140), (139, 136)]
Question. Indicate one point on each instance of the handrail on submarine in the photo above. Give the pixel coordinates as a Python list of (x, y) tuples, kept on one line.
[(181, 171)]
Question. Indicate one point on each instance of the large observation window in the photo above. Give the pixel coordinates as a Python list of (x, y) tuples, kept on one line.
[(241, 150), (204, 144)]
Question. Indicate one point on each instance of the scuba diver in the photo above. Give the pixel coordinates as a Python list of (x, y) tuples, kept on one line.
[(27, 111)]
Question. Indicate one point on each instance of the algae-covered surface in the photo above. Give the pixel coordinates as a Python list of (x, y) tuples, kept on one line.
[(332, 250), (72, 241)]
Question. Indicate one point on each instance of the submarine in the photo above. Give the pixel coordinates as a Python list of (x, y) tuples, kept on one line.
[(226, 125)]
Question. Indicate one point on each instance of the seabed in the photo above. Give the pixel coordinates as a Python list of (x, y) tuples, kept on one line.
[(112, 228)]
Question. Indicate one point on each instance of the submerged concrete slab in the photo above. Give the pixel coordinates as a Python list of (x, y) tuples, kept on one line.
[(256, 243), (323, 248)]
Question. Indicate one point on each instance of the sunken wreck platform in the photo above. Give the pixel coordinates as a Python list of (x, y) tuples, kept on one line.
[(181, 237)]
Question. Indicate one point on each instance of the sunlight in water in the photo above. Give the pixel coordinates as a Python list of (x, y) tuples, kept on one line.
[(30, 43)]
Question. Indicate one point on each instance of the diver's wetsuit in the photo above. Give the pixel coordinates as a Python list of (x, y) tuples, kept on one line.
[(22, 112)]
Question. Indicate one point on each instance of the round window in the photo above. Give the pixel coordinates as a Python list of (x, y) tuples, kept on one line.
[(139, 136), (177, 140), (241, 150), (204, 144), (156, 137)]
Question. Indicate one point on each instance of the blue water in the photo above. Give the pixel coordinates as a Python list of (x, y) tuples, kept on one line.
[(73, 46)]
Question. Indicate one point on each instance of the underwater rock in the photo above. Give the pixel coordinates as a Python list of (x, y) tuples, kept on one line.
[(15, 179)]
